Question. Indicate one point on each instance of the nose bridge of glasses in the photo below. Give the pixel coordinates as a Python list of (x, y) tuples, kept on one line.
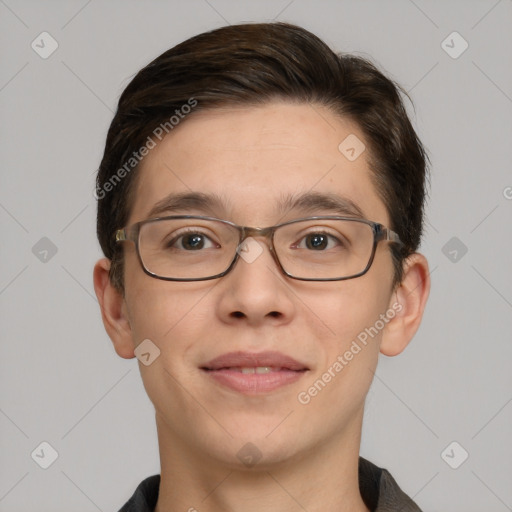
[(249, 232), (255, 233)]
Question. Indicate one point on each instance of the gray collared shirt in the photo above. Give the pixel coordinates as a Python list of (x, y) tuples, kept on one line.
[(378, 489)]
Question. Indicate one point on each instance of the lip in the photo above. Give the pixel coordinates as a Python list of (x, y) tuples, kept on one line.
[(226, 370)]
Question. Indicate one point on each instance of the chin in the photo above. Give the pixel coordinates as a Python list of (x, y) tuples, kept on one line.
[(253, 443), (261, 455)]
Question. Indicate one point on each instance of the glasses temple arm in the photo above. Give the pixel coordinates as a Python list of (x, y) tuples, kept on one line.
[(121, 235), (391, 236)]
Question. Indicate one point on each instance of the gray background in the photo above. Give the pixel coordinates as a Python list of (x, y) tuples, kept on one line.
[(61, 381)]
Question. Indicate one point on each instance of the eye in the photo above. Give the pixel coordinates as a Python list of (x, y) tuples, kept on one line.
[(318, 241), (191, 241)]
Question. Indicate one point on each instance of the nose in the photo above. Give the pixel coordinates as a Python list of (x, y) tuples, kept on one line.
[(255, 292)]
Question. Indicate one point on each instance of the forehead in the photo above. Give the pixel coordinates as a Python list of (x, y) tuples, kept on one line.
[(256, 162)]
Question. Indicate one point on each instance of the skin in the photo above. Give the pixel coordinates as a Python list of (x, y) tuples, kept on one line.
[(251, 157)]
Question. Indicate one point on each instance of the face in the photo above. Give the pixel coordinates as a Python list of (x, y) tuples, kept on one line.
[(251, 160)]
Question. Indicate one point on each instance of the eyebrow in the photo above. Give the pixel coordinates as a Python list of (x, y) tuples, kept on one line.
[(212, 204), (312, 202), (186, 202)]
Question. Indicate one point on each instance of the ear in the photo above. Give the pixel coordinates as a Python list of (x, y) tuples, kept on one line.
[(113, 310), (408, 301)]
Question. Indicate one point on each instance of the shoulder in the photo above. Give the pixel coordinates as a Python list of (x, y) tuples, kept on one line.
[(145, 496), (380, 492)]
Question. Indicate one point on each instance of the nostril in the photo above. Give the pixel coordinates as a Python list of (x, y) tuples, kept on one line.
[(238, 314), (274, 314)]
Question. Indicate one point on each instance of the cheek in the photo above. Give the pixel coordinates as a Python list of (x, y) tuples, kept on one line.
[(349, 352), (174, 317), (351, 316), (168, 313), (348, 308)]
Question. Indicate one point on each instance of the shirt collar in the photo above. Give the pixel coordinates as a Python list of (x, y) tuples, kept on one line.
[(378, 488)]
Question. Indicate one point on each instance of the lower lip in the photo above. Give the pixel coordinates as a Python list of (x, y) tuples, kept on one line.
[(254, 383)]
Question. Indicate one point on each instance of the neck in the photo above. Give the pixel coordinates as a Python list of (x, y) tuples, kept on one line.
[(323, 479)]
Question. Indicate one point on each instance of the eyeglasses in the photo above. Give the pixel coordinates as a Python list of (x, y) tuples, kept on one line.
[(197, 248)]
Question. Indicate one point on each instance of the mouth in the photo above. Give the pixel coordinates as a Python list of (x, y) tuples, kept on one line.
[(250, 373)]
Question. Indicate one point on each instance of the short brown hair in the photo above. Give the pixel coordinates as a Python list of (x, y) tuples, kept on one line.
[(253, 64)]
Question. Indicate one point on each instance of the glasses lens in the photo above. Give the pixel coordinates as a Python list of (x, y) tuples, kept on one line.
[(323, 248), (187, 248)]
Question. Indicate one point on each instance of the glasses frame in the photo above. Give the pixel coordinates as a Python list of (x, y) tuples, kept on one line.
[(380, 233)]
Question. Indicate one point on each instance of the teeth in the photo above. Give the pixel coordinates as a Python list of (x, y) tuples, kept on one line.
[(258, 369)]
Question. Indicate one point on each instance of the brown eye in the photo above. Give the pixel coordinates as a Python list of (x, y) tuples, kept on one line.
[(316, 241), (193, 241), (319, 241)]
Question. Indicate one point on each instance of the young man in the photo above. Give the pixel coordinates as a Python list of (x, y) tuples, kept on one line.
[(260, 205)]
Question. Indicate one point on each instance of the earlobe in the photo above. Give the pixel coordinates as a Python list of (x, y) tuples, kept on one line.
[(113, 310), (411, 296)]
